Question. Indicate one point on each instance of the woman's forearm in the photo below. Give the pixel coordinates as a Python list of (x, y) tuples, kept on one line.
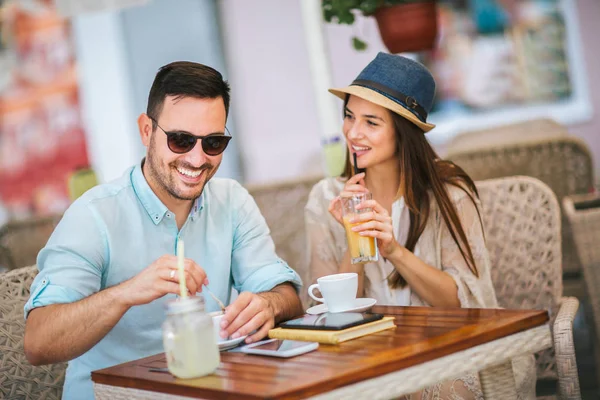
[(435, 287)]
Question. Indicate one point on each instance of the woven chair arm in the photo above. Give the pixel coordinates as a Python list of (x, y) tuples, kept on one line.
[(565, 349)]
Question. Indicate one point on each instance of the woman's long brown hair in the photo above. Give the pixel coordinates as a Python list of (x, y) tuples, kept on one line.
[(422, 173)]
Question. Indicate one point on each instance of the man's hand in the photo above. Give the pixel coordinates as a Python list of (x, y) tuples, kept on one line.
[(257, 313), (62, 332), (248, 313), (160, 278)]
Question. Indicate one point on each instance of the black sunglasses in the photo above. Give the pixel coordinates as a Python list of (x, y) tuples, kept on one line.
[(182, 142)]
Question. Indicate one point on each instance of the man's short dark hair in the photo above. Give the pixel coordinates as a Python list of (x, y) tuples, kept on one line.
[(186, 79)]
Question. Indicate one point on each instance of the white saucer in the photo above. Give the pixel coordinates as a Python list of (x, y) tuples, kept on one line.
[(231, 343), (362, 304)]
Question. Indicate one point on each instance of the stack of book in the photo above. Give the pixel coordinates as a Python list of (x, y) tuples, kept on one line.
[(331, 335)]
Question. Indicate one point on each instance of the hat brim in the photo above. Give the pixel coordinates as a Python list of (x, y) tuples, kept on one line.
[(383, 101)]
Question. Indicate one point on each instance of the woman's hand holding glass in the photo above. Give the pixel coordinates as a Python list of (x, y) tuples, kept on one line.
[(354, 185), (377, 223)]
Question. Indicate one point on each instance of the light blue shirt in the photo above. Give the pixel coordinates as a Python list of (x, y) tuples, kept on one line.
[(116, 230)]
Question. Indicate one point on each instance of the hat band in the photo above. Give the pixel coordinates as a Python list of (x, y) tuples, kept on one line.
[(409, 102)]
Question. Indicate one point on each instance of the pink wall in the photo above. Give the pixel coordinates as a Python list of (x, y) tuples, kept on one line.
[(271, 95)]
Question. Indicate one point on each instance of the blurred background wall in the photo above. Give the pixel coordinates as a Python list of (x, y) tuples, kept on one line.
[(261, 49), (275, 104)]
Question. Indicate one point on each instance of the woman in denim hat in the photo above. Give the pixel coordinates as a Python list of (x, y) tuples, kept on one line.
[(425, 211)]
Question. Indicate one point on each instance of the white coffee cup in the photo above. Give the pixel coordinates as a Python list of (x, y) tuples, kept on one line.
[(338, 290)]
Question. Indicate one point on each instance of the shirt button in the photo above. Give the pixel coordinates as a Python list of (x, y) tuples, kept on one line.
[(168, 215)]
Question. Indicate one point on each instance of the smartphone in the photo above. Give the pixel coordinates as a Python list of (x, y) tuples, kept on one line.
[(279, 348), (331, 321)]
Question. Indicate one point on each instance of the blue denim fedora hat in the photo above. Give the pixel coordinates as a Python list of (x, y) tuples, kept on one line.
[(397, 83)]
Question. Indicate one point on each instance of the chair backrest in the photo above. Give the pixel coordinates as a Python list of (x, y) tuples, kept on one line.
[(21, 380), (562, 162), (543, 128), (21, 240), (282, 205), (521, 218), (583, 213)]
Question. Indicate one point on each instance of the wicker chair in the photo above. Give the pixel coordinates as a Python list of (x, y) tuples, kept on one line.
[(511, 133), (545, 152), (282, 205), (21, 240), (583, 213), (18, 379), (522, 225)]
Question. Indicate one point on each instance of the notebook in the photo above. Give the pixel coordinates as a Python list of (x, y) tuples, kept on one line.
[(333, 336)]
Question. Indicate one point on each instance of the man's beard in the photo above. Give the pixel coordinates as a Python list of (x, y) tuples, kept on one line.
[(164, 177)]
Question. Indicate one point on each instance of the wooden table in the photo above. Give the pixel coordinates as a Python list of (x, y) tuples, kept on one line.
[(429, 345)]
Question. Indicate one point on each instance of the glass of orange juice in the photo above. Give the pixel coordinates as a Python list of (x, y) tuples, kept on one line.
[(362, 248)]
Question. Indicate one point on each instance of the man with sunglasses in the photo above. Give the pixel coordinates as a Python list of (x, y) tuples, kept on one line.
[(110, 265)]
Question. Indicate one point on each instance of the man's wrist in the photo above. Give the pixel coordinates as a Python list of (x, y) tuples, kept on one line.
[(271, 298), (283, 301), (119, 295)]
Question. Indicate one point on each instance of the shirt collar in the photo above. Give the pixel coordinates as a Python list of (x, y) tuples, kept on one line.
[(154, 207), (198, 205)]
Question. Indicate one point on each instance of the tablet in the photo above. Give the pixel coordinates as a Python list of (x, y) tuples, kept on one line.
[(331, 321)]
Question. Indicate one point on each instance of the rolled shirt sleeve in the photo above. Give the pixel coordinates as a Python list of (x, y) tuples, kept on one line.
[(255, 265), (72, 261)]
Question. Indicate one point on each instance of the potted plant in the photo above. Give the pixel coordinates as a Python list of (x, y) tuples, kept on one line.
[(404, 25)]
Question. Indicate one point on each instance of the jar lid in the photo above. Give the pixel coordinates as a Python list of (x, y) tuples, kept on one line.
[(184, 305)]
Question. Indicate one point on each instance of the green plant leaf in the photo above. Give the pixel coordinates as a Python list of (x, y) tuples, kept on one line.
[(358, 44), (346, 18), (341, 11), (368, 7)]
